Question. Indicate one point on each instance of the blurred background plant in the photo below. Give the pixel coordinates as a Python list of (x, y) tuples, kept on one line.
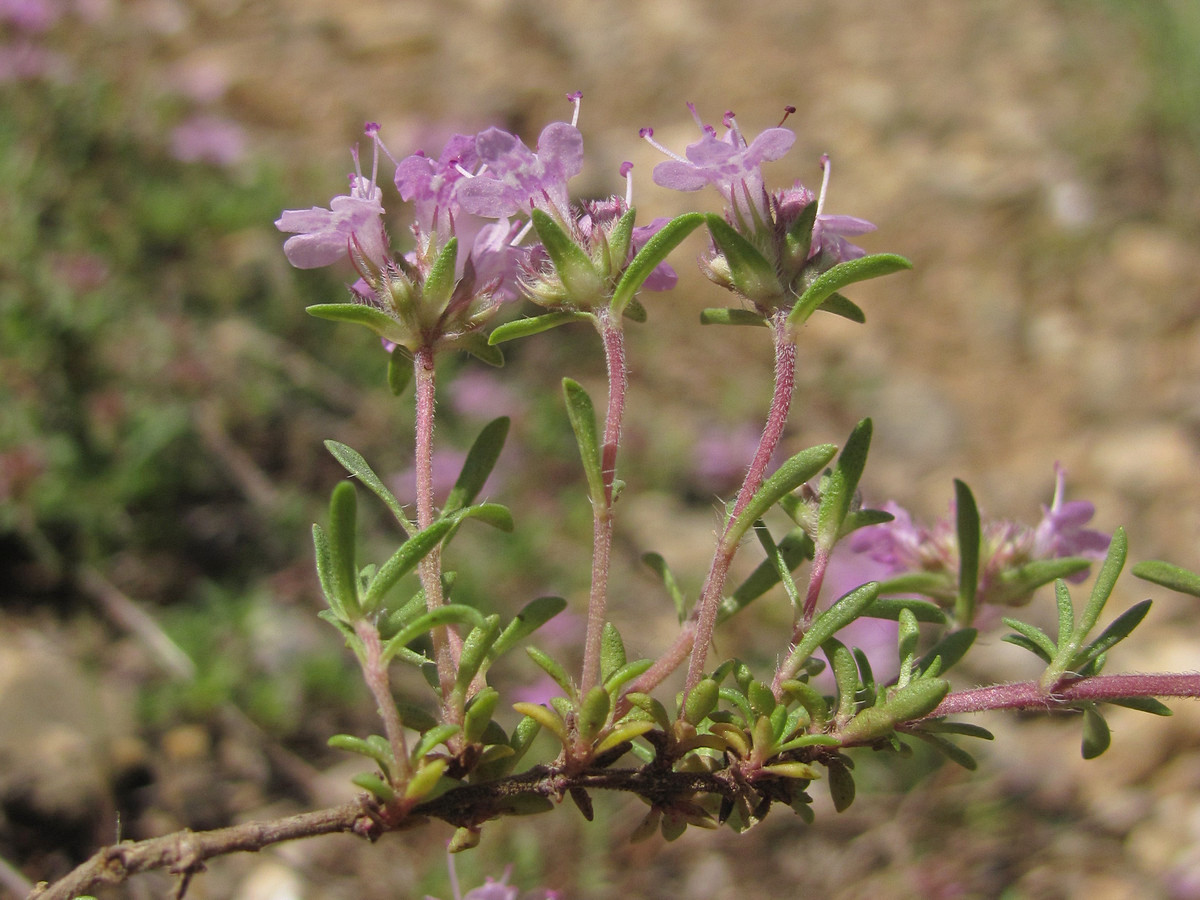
[(163, 399)]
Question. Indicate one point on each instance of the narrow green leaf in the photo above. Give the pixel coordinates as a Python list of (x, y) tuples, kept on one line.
[(1169, 576), (324, 558), (476, 343), (545, 717), (399, 370), (357, 314), (480, 461), (950, 750), (1019, 640), (1034, 635), (950, 649), (752, 275), (1066, 613), (532, 616), (927, 583), (776, 558), (369, 749), (612, 651), (700, 701), (1102, 589), (836, 278), (495, 514), (839, 487), (795, 548), (404, 560), (1096, 735), (940, 726), (354, 463), (450, 614), (438, 734), (861, 518), (793, 473), (848, 608), (373, 784), (580, 278), (625, 674), (583, 422), (908, 704), (841, 785), (634, 311), (798, 238), (1116, 632), (439, 283), (620, 239), (892, 607), (1015, 586), (663, 571), (593, 712), (1144, 704), (653, 252), (969, 536), (842, 306), (553, 669), (475, 649), (342, 539), (731, 316), (510, 331)]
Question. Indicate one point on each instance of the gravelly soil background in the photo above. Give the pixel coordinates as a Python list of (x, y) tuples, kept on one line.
[(1038, 163)]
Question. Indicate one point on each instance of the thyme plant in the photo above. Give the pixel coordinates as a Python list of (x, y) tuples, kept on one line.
[(493, 225)]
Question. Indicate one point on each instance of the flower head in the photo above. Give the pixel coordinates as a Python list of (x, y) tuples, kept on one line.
[(436, 296), (783, 240), (902, 545)]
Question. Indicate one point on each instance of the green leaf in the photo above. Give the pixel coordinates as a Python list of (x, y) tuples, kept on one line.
[(917, 699), (848, 608), (373, 784), (625, 674), (776, 558), (1116, 632), (841, 306), (950, 649), (1014, 586), (357, 314), (324, 558), (793, 473), (343, 571), (619, 240), (439, 734), (532, 616), (1019, 640), (354, 463), (545, 717), (927, 583), (839, 487), (553, 669), (404, 560), (480, 461), (700, 701), (593, 712), (752, 275), (1045, 647), (940, 726), (495, 514), (653, 252), (1102, 589), (475, 343), (1169, 576), (798, 238), (612, 651), (583, 422), (969, 537), (663, 571), (536, 325), (861, 518), (951, 751), (450, 614), (370, 749), (1144, 704), (478, 714), (794, 549), (841, 785), (836, 278), (1096, 735), (438, 286), (891, 607), (475, 649), (731, 316), (583, 283), (399, 370)]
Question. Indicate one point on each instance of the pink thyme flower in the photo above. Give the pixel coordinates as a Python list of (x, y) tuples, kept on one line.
[(728, 163), (210, 139), (515, 179), (353, 223)]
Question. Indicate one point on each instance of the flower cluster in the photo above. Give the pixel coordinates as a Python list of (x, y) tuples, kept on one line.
[(901, 546), (473, 195), (781, 241)]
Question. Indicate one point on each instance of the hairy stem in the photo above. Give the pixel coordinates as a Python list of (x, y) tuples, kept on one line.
[(1030, 695), (446, 643), (602, 512), (375, 672), (705, 613)]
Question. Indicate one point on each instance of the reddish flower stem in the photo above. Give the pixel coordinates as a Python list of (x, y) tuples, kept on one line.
[(375, 672), (602, 512), (705, 612), (447, 645), (1030, 695)]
